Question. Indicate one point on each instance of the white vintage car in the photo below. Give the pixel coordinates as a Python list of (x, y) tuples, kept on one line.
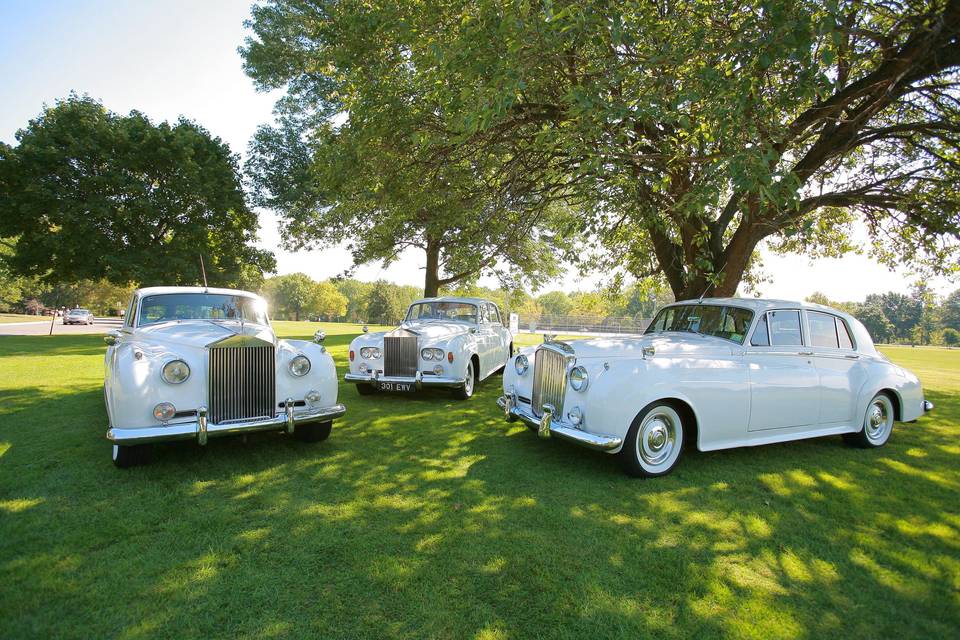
[(714, 373), (190, 363), (451, 343)]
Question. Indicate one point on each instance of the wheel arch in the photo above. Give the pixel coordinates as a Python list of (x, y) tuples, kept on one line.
[(691, 423), (895, 399)]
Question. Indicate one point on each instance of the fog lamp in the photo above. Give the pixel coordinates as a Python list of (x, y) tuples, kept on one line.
[(438, 370), (164, 411), (575, 417), (364, 369), (312, 397)]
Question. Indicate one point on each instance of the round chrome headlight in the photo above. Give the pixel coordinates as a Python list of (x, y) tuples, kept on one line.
[(164, 411), (175, 372), (431, 353), (370, 353), (300, 365), (521, 364), (578, 378)]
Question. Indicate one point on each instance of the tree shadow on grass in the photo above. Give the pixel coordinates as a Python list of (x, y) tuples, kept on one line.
[(424, 516)]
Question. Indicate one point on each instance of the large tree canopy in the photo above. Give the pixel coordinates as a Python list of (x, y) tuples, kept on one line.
[(92, 194), (347, 161), (687, 132)]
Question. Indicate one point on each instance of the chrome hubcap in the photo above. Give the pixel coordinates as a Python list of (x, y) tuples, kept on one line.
[(878, 420), (658, 438)]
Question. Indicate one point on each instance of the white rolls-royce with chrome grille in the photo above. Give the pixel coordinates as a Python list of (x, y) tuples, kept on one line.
[(715, 374), (190, 363), (451, 343)]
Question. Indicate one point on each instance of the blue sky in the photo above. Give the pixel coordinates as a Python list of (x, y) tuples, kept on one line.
[(175, 58)]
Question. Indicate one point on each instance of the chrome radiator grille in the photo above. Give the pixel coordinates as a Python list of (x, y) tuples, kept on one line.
[(400, 355), (549, 380), (242, 383)]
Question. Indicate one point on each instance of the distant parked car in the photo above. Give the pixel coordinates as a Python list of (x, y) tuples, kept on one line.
[(190, 363), (715, 374), (451, 343), (78, 316)]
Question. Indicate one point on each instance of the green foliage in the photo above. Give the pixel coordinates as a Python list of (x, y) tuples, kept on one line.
[(950, 311), (387, 303), (91, 194), (951, 337), (100, 296), (685, 134), (297, 295), (555, 303)]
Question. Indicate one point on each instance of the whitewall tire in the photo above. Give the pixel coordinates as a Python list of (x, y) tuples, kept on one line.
[(654, 443), (877, 424), (470, 381)]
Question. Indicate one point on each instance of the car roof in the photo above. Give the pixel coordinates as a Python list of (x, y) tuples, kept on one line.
[(453, 299), (762, 304), (153, 291)]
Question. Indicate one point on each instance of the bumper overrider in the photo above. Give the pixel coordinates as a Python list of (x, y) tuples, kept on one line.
[(549, 425), (201, 428), (419, 380)]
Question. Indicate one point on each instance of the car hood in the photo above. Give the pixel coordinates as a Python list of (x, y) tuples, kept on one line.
[(436, 329), (664, 344), (199, 334)]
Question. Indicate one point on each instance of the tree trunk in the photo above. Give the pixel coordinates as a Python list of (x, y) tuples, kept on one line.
[(431, 283)]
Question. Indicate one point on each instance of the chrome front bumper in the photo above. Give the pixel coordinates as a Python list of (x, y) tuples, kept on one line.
[(927, 406), (419, 380), (201, 429), (548, 425)]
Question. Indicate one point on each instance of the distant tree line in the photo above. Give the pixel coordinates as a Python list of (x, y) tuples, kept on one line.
[(919, 317)]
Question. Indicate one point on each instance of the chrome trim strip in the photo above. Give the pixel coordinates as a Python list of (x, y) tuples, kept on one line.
[(563, 430), (191, 430)]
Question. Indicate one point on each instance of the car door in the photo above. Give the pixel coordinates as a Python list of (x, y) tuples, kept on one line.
[(502, 334), (838, 365), (784, 384)]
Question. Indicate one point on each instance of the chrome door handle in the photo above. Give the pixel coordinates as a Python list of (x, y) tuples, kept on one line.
[(852, 357), (806, 353)]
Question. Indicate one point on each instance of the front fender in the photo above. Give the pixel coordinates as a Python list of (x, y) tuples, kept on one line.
[(322, 376)]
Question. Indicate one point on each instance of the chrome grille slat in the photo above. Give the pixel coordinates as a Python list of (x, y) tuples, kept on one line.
[(400, 356), (549, 380), (241, 383)]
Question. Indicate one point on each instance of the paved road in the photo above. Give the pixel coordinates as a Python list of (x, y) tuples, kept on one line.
[(42, 328)]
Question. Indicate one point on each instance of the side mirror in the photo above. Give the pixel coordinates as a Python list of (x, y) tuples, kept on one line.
[(112, 337), (366, 328), (319, 336), (473, 329)]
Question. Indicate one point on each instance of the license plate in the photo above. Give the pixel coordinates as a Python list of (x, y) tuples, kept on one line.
[(402, 387)]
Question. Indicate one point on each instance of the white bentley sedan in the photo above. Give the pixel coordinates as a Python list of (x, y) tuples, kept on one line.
[(451, 343), (191, 363), (715, 374)]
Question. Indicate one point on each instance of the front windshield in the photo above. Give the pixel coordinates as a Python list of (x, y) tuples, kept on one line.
[(77, 312), (459, 311), (730, 323), (173, 307)]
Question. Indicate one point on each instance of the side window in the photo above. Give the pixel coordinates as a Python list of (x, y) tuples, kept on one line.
[(761, 335), (785, 328), (823, 330), (494, 313), (483, 313), (846, 342)]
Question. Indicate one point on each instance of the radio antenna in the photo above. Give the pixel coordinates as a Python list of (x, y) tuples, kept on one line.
[(203, 270), (719, 271)]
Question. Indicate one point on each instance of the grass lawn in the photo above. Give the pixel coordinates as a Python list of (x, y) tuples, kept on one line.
[(7, 318), (427, 517)]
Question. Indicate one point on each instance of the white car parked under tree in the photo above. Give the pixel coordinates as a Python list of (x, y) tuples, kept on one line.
[(715, 374), (190, 363), (451, 343)]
